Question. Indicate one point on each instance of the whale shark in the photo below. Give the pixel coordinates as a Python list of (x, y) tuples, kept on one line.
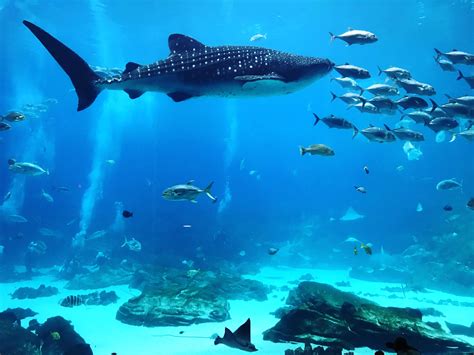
[(192, 69)]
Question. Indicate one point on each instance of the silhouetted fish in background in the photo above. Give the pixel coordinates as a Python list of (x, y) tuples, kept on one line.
[(193, 69)]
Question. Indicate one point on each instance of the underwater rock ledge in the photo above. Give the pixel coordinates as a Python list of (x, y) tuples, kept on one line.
[(321, 314), (177, 298)]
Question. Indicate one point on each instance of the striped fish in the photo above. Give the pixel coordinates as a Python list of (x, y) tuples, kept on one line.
[(72, 301)]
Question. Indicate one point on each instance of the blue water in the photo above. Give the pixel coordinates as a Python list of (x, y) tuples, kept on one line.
[(268, 194)]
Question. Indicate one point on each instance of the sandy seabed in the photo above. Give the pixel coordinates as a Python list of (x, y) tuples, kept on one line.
[(98, 326)]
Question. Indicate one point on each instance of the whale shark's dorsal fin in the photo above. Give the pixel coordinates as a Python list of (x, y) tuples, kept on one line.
[(243, 333), (130, 66), (181, 43)]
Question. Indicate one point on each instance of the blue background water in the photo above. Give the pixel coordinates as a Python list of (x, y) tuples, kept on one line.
[(157, 143)]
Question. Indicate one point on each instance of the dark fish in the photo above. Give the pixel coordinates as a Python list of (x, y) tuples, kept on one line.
[(448, 208), (413, 86), (72, 301), (382, 102), (454, 108), (443, 124), (4, 126), (411, 102), (469, 79), (406, 134), (377, 134), (192, 69), (127, 214), (336, 122), (351, 71), (14, 116), (445, 64), (240, 339), (395, 73), (273, 251), (470, 203), (457, 57)]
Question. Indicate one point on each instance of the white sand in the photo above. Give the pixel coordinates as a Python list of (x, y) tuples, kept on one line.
[(97, 324)]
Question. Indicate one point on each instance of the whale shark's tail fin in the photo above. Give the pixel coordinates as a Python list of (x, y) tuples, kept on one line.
[(82, 76)]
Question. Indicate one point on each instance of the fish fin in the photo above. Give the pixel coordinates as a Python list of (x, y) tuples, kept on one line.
[(302, 151), (190, 182), (333, 37), (350, 29), (133, 94), (130, 66), (449, 97), (227, 334), (438, 53), (386, 127), (82, 76), (181, 43), (371, 125), (435, 105), (179, 96), (193, 201), (356, 131), (243, 332), (453, 138), (334, 96), (317, 119), (380, 70), (460, 76), (207, 191), (218, 340)]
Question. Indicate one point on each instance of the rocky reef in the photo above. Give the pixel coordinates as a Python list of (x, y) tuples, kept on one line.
[(30, 292), (321, 314), (55, 337), (178, 297)]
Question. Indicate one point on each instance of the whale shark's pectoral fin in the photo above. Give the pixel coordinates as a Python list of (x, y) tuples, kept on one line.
[(179, 96), (133, 94)]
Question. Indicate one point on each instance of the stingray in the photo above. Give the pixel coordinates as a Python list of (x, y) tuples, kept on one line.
[(240, 339), (351, 215)]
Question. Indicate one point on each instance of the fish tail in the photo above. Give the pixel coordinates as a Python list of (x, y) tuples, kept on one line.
[(302, 151), (361, 90), (207, 191), (364, 101), (82, 76), (334, 96), (218, 340), (438, 53), (333, 37), (317, 119), (380, 70), (356, 131), (435, 105), (460, 76)]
